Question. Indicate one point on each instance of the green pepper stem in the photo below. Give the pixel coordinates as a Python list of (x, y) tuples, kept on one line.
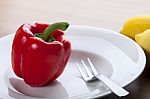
[(47, 34)]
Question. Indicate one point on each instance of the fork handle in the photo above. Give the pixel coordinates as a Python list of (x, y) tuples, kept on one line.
[(115, 88)]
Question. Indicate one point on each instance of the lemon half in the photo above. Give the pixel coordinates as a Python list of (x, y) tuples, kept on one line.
[(143, 40), (136, 25)]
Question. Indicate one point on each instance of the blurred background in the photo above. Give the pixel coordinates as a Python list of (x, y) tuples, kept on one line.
[(109, 14)]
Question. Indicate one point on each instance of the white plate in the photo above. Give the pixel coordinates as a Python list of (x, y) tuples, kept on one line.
[(113, 54)]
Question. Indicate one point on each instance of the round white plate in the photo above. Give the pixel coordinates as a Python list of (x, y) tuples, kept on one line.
[(113, 55)]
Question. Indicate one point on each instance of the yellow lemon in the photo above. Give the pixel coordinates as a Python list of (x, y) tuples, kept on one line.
[(143, 40), (136, 25)]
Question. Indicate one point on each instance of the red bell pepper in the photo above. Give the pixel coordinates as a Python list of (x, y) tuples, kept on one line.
[(40, 52)]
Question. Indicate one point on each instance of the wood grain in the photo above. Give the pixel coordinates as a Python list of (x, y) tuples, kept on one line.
[(109, 14)]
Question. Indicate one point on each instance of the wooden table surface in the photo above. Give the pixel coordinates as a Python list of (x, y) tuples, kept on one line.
[(110, 14)]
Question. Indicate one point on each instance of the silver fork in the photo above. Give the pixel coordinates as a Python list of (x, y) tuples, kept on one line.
[(116, 89)]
